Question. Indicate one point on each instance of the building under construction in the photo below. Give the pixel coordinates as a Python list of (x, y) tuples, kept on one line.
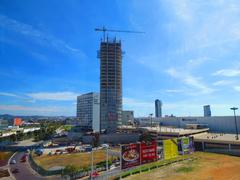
[(110, 84)]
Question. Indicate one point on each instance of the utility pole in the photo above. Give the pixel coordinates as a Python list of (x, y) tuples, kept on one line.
[(235, 118)]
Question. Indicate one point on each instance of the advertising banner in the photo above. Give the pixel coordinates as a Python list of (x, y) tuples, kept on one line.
[(185, 145), (130, 155), (148, 152), (191, 144), (179, 142), (170, 148)]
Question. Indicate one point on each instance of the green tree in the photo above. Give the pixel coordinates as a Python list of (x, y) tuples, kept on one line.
[(145, 136)]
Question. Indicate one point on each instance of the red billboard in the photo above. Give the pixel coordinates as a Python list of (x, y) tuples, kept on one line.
[(148, 152), (130, 155)]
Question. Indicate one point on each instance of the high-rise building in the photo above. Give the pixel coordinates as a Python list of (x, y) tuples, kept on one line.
[(158, 108), (207, 111), (110, 84), (88, 106)]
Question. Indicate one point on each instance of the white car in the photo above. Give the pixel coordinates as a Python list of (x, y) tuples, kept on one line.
[(13, 161), (112, 167)]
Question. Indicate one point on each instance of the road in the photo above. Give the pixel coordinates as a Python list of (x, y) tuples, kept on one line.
[(110, 173), (25, 171)]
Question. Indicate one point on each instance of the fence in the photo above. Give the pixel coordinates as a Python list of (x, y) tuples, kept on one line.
[(81, 173), (151, 166), (40, 170)]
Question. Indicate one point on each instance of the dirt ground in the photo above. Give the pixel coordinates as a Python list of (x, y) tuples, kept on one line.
[(79, 160), (4, 156), (208, 166)]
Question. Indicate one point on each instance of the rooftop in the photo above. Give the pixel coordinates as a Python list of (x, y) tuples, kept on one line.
[(216, 138)]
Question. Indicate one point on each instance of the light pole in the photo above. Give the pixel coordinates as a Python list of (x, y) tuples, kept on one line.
[(92, 164), (106, 146), (235, 118), (151, 118)]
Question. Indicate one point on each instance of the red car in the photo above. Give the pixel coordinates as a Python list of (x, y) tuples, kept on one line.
[(94, 174), (24, 158)]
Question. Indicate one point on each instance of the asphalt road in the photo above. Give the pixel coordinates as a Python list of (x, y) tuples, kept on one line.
[(105, 175), (25, 172)]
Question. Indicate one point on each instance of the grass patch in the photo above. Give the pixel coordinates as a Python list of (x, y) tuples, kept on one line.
[(80, 160), (5, 155), (185, 169)]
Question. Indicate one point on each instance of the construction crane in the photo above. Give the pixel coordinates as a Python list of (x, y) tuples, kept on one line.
[(104, 30)]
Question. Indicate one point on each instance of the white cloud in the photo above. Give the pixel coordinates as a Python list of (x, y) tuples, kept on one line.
[(8, 94), (206, 24), (237, 88), (192, 81), (38, 36), (174, 90), (192, 63), (137, 103), (26, 108), (227, 72), (58, 96), (222, 83)]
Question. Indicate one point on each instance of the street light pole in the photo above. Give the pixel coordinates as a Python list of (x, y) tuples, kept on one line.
[(151, 118), (106, 146), (235, 118), (92, 164), (107, 163)]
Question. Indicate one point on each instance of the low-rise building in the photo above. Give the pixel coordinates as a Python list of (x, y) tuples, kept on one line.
[(224, 124), (88, 111)]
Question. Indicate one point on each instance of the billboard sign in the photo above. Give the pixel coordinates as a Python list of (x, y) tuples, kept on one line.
[(191, 144), (170, 148), (179, 142), (148, 152), (18, 121), (130, 155), (185, 144)]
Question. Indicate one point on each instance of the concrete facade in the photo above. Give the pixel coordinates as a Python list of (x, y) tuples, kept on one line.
[(115, 138), (127, 117), (88, 107), (214, 123), (110, 85), (207, 111)]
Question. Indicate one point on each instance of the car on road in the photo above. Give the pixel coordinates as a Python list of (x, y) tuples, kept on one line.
[(112, 167), (13, 161), (15, 170), (24, 158), (94, 174)]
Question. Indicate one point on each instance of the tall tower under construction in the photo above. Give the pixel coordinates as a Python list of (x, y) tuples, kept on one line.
[(110, 84)]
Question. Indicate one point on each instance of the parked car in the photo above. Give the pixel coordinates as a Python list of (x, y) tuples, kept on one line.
[(13, 161), (94, 174), (112, 167)]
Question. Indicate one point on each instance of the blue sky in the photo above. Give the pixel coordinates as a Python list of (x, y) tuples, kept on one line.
[(188, 57)]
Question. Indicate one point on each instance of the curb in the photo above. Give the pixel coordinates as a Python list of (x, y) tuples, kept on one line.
[(28, 164), (9, 171)]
